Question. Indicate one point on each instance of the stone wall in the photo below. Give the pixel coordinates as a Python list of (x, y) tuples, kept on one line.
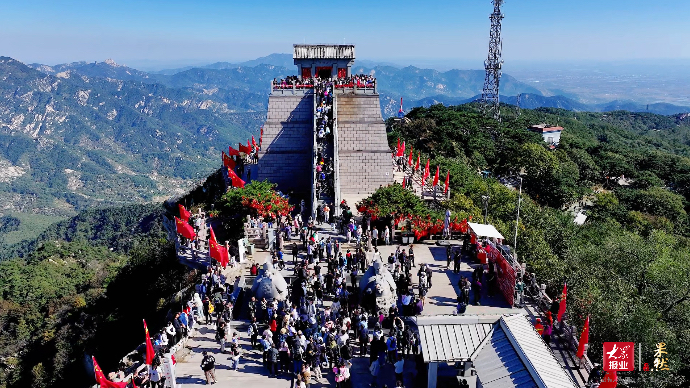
[(286, 154), (364, 157)]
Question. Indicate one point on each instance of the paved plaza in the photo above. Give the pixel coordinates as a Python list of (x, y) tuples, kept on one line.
[(251, 373)]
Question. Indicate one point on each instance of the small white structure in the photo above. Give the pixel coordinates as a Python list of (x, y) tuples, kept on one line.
[(484, 230), (551, 134)]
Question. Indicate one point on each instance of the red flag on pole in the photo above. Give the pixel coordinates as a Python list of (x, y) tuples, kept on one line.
[(184, 213), (228, 162), (445, 191), (561, 307), (397, 149), (101, 380), (215, 250), (237, 182), (426, 171), (185, 229), (244, 149), (436, 177), (584, 339), (401, 150), (150, 353), (232, 151), (416, 167), (249, 146), (409, 160), (256, 147)]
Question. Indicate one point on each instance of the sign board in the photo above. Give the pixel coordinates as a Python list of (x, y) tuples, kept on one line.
[(168, 366)]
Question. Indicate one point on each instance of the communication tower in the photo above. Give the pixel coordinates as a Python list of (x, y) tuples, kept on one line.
[(493, 64)]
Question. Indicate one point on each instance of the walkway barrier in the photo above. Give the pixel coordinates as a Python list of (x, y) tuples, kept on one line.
[(568, 333)]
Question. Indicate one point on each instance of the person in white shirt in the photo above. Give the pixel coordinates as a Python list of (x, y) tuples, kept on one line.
[(399, 367), (155, 377), (387, 236)]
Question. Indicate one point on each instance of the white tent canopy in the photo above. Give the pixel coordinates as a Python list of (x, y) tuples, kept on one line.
[(484, 230)]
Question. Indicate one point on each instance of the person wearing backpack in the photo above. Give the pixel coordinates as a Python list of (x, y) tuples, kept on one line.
[(253, 331), (392, 346), (208, 365)]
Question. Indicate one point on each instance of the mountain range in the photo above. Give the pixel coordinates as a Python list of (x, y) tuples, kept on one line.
[(78, 135)]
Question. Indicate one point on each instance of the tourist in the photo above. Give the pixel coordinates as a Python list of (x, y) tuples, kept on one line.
[(208, 365), (399, 367)]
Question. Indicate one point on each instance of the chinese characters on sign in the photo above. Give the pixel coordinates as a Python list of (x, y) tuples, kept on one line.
[(619, 356), (660, 358)]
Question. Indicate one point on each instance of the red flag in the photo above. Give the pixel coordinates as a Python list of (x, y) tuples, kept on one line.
[(256, 147), (403, 183), (149, 346), (409, 160), (184, 213), (249, 146), (185, 229), (231, 173), (436, 177), (237, 182), (426, 172), (416, 167), (609, 380), (561, 307), (214, 252), (584, 339), (101, 380), (232, 151), (228, 161), (445, 191), (244, 149), (401, 150)]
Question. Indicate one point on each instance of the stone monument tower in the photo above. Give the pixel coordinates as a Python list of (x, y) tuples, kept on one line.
[(360, 150)]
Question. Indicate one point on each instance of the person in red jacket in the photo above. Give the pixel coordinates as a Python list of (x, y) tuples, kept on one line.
[(539, 327)]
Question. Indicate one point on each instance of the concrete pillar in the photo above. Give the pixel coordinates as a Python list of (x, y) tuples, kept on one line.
[(433, 374)]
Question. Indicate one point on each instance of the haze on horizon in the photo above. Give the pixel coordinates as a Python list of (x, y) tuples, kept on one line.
[(157, 34)]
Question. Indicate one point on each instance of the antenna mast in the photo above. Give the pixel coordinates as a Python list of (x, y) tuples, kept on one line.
[(493, 64)]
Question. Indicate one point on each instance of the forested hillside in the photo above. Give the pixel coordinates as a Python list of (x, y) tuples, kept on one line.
[(83, 288), (69, 141), (628, 266)]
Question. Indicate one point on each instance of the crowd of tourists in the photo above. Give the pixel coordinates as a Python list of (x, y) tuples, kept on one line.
[(323, 121), (323, 322), (357, 80)]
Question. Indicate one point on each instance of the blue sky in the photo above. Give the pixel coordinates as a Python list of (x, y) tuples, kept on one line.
[(172, 32)]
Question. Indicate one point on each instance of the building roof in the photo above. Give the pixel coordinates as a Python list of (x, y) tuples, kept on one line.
[(323, 51), (545, 128), (484, 230), (506, 350), (534, 353), (451, 338), (498, 364)]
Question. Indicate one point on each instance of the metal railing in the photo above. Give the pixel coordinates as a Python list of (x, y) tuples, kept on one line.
[(568, 333), (315, 152), (336, 160), (302, 89)]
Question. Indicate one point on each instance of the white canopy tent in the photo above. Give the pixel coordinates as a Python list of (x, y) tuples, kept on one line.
[(484, 230)]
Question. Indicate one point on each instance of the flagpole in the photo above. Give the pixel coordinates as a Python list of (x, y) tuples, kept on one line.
[(517, 221)]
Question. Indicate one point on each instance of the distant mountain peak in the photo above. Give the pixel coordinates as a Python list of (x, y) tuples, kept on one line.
[(112, 63)]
